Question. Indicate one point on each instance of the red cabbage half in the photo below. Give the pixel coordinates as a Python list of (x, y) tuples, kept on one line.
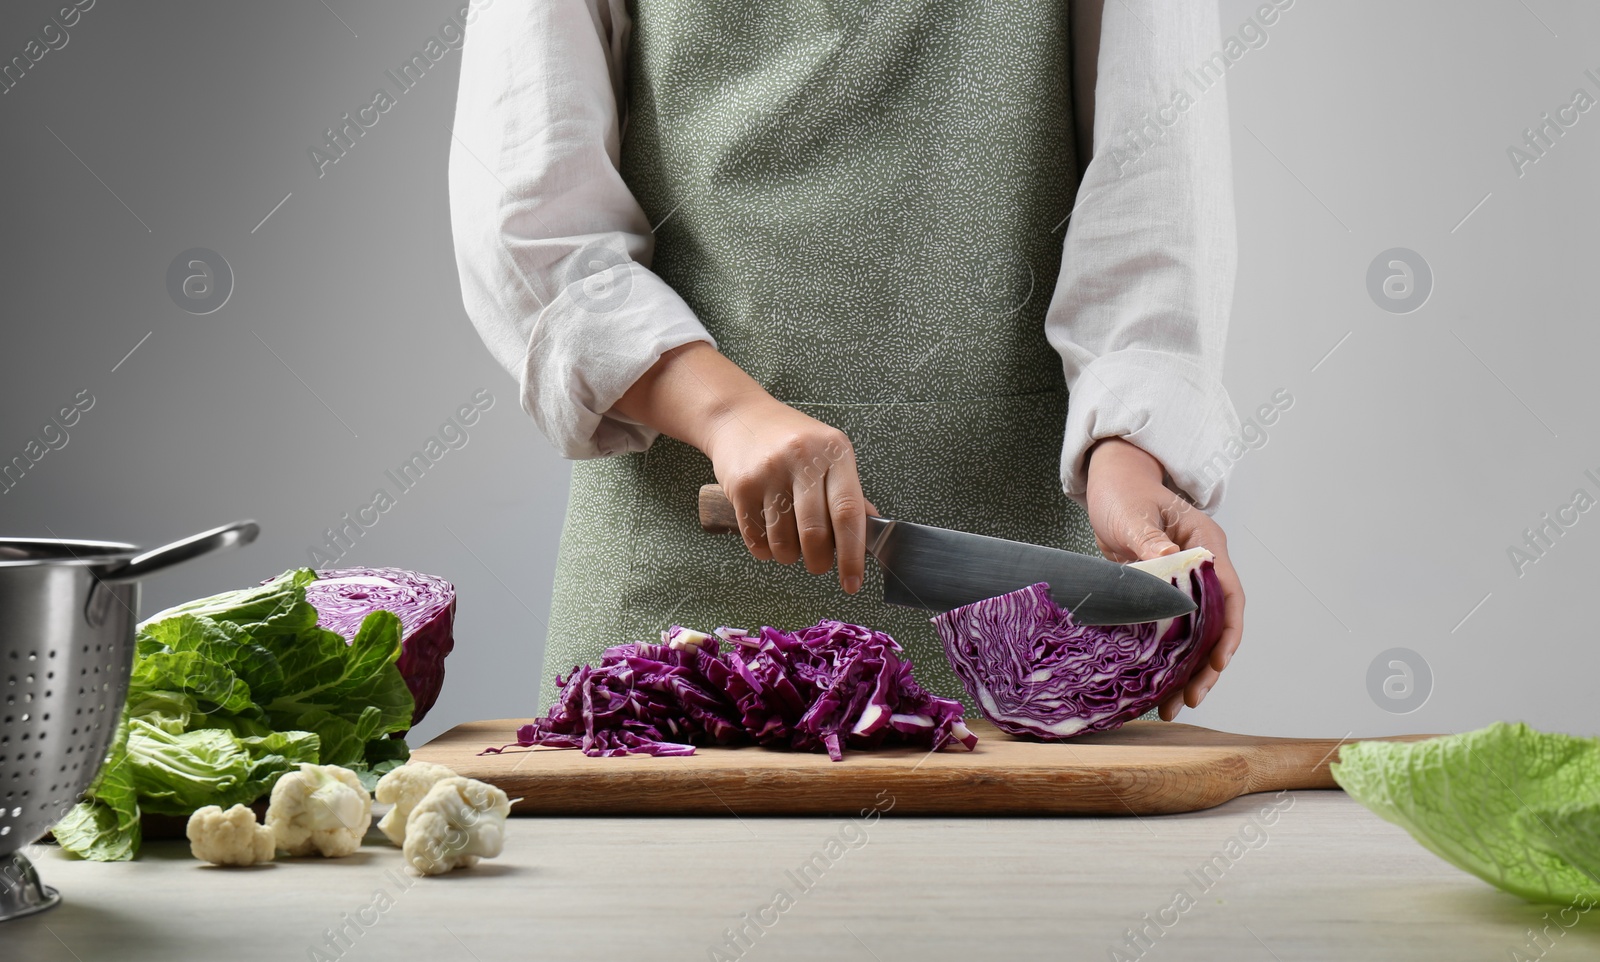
[(1034, 671), (825, 688), (425, 605)]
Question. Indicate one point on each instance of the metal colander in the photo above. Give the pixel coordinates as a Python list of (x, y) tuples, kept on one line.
[(68, 610), (61, 708)]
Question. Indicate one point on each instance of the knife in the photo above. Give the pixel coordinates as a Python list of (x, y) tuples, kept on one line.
[(939, 569)]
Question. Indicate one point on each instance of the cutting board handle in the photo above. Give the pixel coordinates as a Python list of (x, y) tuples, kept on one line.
[(1296, 763), (716, 511)]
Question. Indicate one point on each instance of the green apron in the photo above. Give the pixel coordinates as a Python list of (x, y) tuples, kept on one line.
[(862, 203)]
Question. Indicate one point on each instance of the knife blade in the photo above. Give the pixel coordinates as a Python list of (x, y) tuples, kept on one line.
[(939, 569)]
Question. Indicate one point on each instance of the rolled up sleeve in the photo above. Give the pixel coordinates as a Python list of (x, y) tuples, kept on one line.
[(1140, 313), (552, 247)]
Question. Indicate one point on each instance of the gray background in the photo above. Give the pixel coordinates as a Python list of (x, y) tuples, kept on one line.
[(1377, 514)]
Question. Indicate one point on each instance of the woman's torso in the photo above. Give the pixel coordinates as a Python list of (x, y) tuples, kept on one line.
[(863, 205)]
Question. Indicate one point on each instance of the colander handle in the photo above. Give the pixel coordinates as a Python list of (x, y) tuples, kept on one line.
[(158, 559)]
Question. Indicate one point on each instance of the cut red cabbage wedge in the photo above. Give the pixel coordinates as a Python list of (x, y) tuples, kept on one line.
[(1033, 671), (827, 688), (425, 605)]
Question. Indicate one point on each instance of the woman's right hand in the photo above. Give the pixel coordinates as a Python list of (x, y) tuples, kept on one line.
[(791, 478), (793, 483)]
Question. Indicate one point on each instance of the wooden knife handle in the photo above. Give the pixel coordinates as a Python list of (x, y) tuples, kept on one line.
[(716, 511)]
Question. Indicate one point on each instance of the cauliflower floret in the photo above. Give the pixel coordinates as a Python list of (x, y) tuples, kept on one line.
[(459, 821), (320, 809), (229, 838), (403, 788)]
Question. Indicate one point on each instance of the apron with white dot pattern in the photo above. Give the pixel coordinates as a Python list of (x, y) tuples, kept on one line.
[(864, 204)]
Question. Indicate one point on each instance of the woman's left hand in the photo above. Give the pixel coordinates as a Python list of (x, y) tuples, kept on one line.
[(1136, 517)]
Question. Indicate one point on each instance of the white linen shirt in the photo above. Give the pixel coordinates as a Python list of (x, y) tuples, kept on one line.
[(1140, 310)]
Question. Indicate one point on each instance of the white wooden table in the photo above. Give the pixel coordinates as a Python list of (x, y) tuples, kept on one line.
[(1324, 879)]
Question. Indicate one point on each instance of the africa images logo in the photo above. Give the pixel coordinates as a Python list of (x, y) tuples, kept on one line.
[(338, 140)]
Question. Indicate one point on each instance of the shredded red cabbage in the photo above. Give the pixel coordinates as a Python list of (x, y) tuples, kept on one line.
[(829, 687), (425, 605)]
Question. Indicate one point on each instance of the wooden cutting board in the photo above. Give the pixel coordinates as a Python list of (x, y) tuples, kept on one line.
[(1143, 768)]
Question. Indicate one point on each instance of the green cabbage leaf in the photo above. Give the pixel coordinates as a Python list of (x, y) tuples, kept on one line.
[(230, 692), (1518, 808)]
